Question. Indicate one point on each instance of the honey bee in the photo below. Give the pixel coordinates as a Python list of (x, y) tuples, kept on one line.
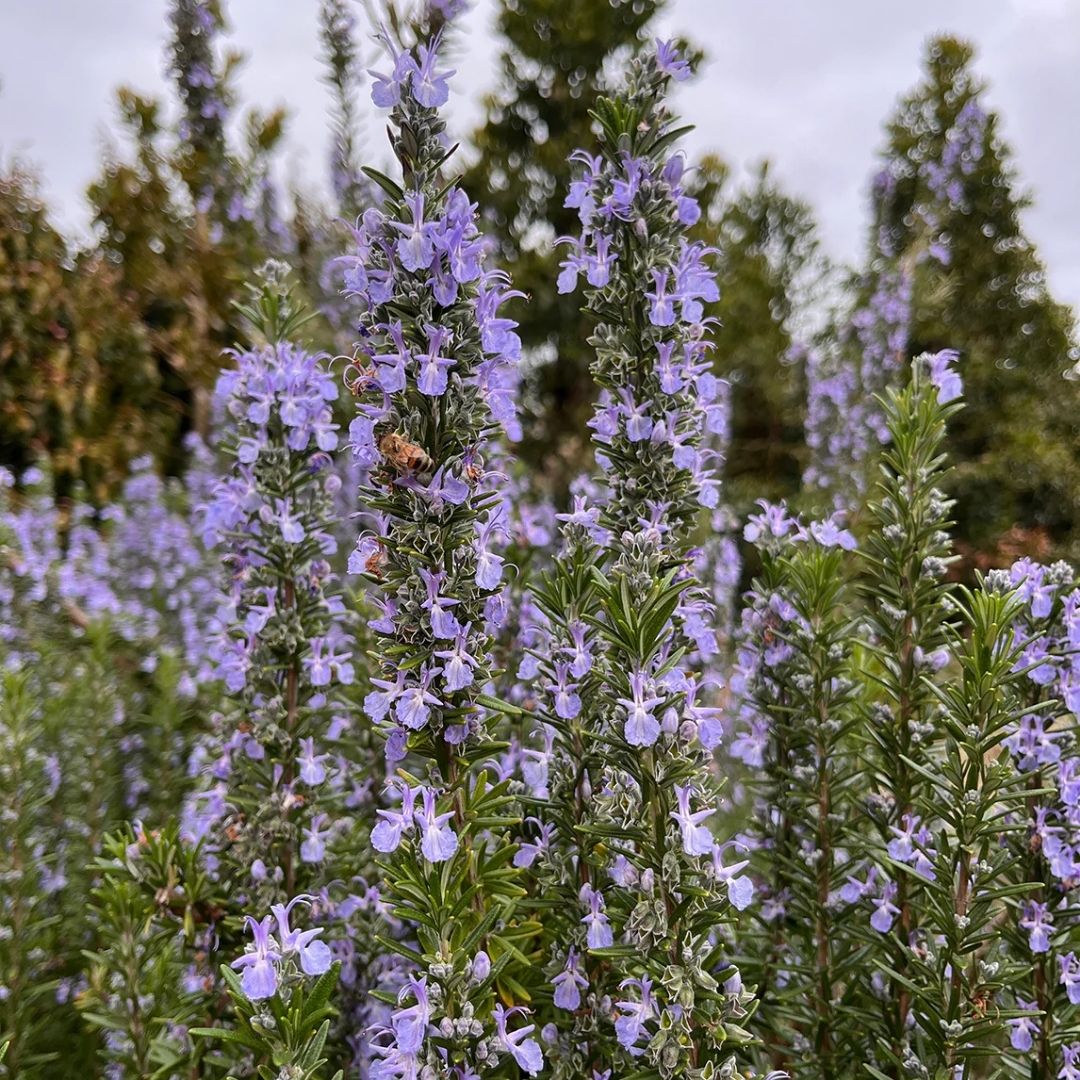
[(405, 456), (374, 562)]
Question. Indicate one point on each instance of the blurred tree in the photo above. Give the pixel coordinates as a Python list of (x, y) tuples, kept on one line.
[(77, 381), (1017, 477), (553, 65), (36, 322), (185, 218), (113, 349), (769, 268)]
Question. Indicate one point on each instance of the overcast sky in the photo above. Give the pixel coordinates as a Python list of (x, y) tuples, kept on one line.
[(806, 84)]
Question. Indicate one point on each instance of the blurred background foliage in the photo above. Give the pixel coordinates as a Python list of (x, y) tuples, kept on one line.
[(109, 347)]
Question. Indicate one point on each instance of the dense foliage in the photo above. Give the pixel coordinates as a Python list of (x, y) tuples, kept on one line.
[(339, 740)]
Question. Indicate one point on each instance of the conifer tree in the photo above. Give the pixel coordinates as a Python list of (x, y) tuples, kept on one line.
[(768, 268), (989, 299)]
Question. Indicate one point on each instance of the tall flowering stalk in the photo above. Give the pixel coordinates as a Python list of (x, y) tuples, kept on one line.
[(958, 970), (278, 783), (337, 29), (202, 86), (906, 556), (946, 663), (1043, 1036), (434, 377), (283, 648), (621, 851), (795, 692)]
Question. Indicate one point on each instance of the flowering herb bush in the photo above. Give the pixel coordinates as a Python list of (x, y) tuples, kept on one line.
[(635, 947), (434, 379), (510, 787), (796, 688)]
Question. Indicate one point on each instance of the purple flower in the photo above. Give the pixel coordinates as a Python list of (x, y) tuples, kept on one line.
[(311, 765), (315, 957), (740, 892), (1023, 1029), (828, 533), (641, 727), (410, 1024), (433, 367), (579, 650), (1035, 919), (377, 703), (588, 518), (885, 911), (528, 851), (313, 846), (696, 838), (940, 368), (567, 700), (438, 841), (630, 1025), (259, 979), (598, 263), (740, 888), (458, 663), (661, 307), (772, 523), (525, 1051), (489, 566), (911, 844), (292, 529), (1070, 976), (430, 87), (1032, 745), (568, 984), (669, 60), (443, 623), (639, 424), (323, 664), (390, 373), (393, 824), (413, 709), (386, 89), (1070, 1069), (416, 248), (598, 931)]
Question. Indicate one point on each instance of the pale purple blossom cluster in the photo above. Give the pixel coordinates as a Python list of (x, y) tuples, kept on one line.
[(764, 646), (138, 564), (419, 815), (274, 410), (844, 423), (277, 949), (282, 644), (657, 416), (659, 408), (435, 378), (461, 354)]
